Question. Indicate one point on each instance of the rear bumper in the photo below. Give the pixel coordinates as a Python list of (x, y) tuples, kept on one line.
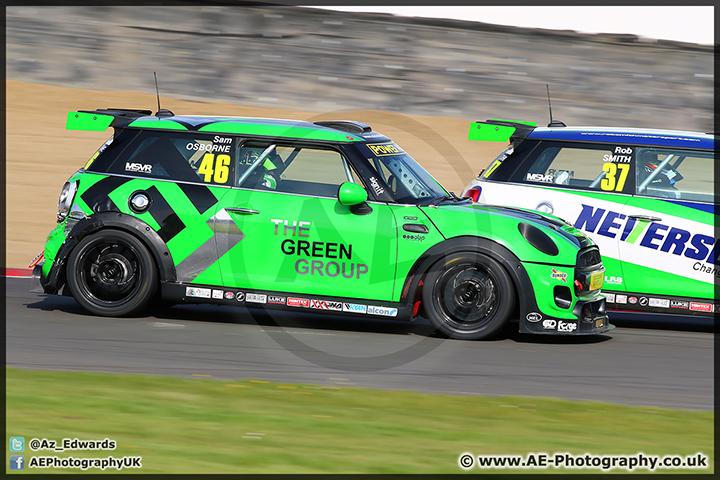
[(36, 285)]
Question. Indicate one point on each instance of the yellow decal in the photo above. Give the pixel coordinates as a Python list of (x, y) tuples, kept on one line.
[(492, 168), (385, 149), (610, 183), (221, 170), (206, 168), (92, 159), (597, 280)]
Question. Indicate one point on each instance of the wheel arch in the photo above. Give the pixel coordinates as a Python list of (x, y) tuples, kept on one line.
[(128, 223), (512, 265)]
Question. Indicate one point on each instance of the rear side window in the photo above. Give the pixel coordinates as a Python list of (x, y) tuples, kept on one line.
[(506, 165), (601, 167), (492, 168), (105, 156), (190, 157)]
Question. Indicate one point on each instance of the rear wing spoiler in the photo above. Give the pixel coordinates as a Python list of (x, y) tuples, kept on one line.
[(500, 130), (100, 119)]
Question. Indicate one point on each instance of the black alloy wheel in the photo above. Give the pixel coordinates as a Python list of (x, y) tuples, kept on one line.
[(468, 296), (111, 273)]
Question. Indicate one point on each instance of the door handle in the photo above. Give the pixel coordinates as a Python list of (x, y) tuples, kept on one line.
[(646, 218), (242, 211)]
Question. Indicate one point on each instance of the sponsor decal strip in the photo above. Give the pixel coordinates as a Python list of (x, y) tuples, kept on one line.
[(568, 327), (277, 299), (701, 307), (197, 292), (384, 311), (354, 308), (326, 305), (255, 298), (298, 302), (638, 302)]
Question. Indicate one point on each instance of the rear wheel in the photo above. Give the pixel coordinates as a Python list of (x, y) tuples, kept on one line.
[(468, 296), (111, 273)]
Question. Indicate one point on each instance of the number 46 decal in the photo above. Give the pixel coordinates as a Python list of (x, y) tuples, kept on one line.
[(221, 171), (610, 183)]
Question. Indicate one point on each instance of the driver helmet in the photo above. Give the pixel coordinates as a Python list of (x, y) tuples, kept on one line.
[(249, 155), (667, 176)]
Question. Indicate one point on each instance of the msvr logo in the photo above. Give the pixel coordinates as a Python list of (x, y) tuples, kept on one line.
[(138, 167)]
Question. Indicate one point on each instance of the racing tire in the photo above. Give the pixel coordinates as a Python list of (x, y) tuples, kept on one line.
[(111, 273), (468, 296)]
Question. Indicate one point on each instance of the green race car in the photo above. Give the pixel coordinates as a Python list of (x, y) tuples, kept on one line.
[(326, 216)]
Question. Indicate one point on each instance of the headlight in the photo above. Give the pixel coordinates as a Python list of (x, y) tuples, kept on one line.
[(67, 196)]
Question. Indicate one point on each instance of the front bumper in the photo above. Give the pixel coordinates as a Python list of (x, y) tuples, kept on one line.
[(591, 320)]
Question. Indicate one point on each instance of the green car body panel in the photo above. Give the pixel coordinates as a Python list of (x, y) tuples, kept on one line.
[(183, 186)]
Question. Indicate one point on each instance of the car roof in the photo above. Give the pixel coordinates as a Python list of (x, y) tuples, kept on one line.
[(335, 131), (665, 138)]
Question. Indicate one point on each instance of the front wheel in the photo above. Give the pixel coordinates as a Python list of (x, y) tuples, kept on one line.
[(111, 273), (468, 296)]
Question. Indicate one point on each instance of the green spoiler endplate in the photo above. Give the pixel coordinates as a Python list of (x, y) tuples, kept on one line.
[(496, 130), (94, 122), (490, 133)]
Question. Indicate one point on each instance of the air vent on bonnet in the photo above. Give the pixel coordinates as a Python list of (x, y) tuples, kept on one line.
[(538, 239)]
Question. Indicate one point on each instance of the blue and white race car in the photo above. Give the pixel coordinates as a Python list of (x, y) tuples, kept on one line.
[(645, 197)]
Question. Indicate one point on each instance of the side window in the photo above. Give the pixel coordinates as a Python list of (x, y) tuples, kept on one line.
[(104, 158), (605, 168), (296, 169), (183, 157), (680, 174)]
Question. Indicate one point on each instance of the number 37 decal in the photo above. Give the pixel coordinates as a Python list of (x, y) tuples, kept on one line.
[(614, 180)]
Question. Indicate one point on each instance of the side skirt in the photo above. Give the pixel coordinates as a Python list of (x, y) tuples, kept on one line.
[(208, 294)]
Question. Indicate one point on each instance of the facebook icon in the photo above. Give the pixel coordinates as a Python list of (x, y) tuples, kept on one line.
[(17, 462)]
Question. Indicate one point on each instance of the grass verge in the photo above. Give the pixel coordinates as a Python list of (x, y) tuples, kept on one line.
[(181, 425)]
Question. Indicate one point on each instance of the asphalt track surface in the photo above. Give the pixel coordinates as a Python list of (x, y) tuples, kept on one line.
[(637, 363)]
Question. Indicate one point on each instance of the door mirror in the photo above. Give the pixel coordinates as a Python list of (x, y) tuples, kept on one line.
[(350, 194)]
